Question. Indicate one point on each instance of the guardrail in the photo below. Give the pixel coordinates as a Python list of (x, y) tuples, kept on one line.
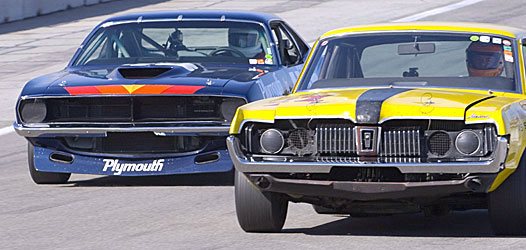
[(13, 10)]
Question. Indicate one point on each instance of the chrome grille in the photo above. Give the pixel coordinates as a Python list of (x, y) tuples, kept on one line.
[(489, 140), (344, 159), (248, 137), (400, 142), (335, 138), (337, 159), (397, 142)]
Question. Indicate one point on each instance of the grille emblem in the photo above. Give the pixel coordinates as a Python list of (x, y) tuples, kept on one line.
[(367, 140)]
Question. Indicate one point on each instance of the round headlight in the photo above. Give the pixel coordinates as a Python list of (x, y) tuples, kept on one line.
[(33, 111), (271, 141), (467, 142), (229, 107)]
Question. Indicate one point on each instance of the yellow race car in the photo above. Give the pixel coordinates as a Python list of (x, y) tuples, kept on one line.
[(391, 118)]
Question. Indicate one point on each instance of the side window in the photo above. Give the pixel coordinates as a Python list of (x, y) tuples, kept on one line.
[(522, 46), (95, 51), (343, 62), (157, 35), (288, 51), (304, 48)]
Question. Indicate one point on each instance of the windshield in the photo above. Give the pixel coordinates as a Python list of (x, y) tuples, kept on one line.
[(182, 41), (418, 59)]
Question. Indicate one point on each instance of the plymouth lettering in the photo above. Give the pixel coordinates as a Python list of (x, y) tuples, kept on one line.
[(117, 168)]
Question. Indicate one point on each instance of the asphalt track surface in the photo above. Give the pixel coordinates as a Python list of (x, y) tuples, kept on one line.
[(197, 211)]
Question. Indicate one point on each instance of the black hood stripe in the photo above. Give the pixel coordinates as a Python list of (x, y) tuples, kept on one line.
[(369, 104)]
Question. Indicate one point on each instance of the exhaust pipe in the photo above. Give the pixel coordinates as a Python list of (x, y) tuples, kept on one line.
[(474, 184), (262, 182), (60, 157)]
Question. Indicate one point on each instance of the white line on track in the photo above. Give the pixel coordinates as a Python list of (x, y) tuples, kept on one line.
[(6, 130), (437, 11)]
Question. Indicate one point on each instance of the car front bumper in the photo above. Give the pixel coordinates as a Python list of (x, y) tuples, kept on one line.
[(246, 165), (206, 160), (102, 131), (367, 191), (136, 166)]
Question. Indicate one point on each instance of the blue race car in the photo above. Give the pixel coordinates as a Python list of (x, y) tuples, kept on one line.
[(154, 93)]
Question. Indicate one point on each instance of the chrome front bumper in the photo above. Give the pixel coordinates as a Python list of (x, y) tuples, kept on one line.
[(102, 131), (245, 165)]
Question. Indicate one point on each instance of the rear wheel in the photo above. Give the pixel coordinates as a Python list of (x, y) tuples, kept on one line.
[(43, 177), (507, 204), (258, 211)]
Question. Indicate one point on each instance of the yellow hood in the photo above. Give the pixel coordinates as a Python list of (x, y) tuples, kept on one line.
[(363, 105)]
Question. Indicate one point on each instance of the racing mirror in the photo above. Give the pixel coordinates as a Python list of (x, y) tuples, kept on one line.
[(416, 48)]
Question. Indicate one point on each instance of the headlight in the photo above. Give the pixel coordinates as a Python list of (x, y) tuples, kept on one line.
[(467, 142), (229, 107), (33, 111), (439, 143), (271, 141)]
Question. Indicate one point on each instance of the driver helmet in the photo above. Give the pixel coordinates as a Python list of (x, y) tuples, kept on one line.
[(176, 37), (484, 59), (245, 40)]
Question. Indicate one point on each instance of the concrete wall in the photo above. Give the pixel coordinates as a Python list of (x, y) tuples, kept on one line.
[(12, 10)]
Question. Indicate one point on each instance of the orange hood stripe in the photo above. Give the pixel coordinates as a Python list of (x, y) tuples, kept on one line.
[(182, 89), (132, 89)]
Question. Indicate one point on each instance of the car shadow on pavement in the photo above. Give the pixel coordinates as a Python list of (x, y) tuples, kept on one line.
[(74, 14), (208, 179), (474, 223)]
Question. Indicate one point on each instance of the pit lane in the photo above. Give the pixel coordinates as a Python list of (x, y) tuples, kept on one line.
[(197, 211)]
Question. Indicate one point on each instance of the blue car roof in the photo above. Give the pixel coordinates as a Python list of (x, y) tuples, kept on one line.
[(196, 14)]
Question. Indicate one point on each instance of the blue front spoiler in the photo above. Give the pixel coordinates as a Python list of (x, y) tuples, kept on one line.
[(82, 164)]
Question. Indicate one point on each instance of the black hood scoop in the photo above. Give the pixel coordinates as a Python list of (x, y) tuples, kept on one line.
[(142, 73), (215, 75)]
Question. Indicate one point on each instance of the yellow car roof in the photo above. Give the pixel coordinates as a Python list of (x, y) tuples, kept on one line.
[(433, 26)]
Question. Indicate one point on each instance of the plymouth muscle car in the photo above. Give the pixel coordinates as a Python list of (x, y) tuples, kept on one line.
[(154, 93), (391, 118)]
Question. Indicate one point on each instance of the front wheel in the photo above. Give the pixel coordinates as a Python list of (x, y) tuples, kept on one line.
[(258, 211), (43, 177), (507, 204)]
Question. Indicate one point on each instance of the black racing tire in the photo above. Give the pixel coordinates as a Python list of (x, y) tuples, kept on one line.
[(43, 177), (258, 211), (507, 204)]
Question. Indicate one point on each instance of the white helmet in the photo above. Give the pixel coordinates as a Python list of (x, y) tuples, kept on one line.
[(245, 40)]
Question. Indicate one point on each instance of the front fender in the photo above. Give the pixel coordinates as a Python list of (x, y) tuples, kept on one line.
[(514, 123)]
